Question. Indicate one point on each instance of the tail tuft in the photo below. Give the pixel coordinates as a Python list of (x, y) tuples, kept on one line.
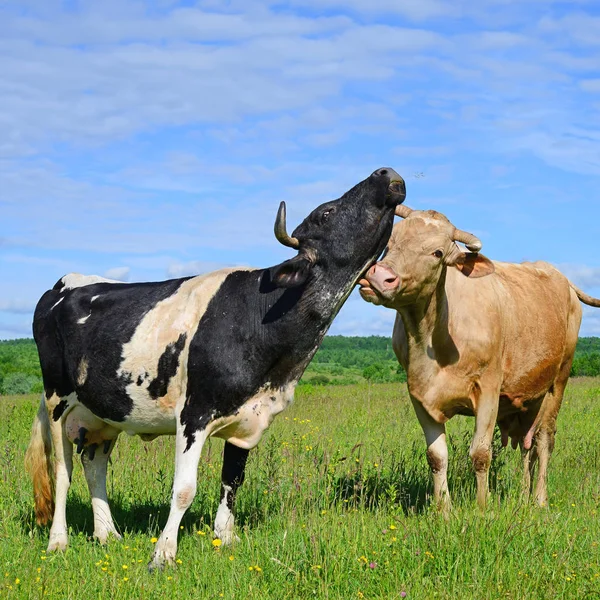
[(38, 462)]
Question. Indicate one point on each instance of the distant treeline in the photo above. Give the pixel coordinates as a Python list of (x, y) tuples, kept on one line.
[(340, 361)]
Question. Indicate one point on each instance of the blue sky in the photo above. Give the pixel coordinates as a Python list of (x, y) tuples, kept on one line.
[(146, 140)]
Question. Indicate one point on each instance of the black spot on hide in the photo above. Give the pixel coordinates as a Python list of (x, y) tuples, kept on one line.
[(167, 368), (59, 409)]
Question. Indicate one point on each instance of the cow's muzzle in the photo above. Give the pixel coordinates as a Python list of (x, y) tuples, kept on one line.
[(380, 284), (396, 190)]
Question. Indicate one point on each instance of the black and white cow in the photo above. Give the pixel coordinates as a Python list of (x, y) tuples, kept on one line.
[(214, 355)]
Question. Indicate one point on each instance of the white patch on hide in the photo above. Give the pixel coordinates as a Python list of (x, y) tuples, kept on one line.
[(57, 303), (246, 426), (178, 314), (76, 280)]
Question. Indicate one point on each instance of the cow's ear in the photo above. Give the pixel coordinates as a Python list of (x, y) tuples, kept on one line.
[(293, 272), (474, 265)]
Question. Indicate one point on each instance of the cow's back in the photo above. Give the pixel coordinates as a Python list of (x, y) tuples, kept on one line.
[(525, 316)]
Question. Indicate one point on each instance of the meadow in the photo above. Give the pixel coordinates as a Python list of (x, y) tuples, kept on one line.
[(335, 505)]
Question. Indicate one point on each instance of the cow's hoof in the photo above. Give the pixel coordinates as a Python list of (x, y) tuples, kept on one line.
[(58, 543), (159, 564), (102, 536), (160, 560)]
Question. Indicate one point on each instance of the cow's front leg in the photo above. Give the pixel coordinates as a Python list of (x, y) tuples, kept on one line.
[(95, 463), (481, 447), (232, 477), (437, 456), (188, 446)]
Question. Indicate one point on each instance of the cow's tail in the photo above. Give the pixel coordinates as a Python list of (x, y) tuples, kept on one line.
[(38, 462), (589, 300)]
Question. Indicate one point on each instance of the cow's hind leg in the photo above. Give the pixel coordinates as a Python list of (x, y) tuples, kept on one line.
[(528, 460), (544, 438), (232, 477), (437, 456), (95, 463), (63, 469), (188, 447)]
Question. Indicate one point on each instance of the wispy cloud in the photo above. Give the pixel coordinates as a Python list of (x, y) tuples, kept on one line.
[(582, 276), (118, 273), (17, 306), (162, 136)]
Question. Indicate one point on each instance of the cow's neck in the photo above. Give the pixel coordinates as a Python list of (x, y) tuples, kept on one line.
[(309, 318), (429, 344)]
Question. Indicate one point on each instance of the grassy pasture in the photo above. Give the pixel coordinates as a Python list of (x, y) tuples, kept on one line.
[(335, 505)]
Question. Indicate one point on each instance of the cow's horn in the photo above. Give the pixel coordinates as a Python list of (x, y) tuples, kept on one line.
[(472, 242), (403, 211), (280, 230)]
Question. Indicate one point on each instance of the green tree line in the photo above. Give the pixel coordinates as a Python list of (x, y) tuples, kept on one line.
[(340, 361)]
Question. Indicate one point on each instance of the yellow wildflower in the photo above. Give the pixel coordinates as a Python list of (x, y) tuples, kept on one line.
[(216, 542)]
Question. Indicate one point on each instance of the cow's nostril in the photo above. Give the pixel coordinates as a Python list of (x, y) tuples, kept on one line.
[(383, 172), (391, 282)]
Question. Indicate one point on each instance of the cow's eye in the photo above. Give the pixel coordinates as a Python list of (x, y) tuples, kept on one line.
[(438, 253), (325, 214)]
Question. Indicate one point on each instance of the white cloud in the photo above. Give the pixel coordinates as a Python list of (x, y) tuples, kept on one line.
[(118, 273), (18, 329), (17, 306), (164, 137), (194, 267), (590, 325), (582, 276)]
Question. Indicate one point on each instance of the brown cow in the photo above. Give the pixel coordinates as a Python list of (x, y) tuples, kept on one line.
[(477, 337)]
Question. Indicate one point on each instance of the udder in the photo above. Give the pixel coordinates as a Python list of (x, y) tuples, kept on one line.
[(85, 429)]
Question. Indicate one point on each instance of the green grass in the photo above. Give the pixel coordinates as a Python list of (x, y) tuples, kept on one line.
[(335, 505)]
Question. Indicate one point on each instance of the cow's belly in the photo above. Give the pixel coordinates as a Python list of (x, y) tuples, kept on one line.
[(246, 426), (149, 417)]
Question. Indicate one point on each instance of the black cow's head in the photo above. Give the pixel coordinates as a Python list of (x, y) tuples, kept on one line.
[(341, 238)]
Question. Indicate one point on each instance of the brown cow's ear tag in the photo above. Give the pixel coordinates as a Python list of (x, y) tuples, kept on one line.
[(474, 265)]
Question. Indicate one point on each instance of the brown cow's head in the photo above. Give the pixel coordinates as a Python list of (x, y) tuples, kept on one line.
[(421, 247)]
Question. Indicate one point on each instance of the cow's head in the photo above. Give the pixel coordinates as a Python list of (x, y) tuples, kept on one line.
[(341, 238), (420, 249)]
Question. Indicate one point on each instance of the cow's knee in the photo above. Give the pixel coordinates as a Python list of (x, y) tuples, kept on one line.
[(184, 496), (481, 458), (437, 458)]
